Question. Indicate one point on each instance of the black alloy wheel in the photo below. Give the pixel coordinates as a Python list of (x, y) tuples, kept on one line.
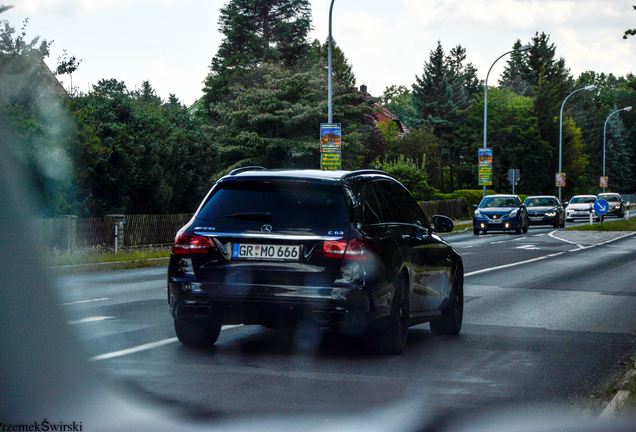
[(197, 334), (452, 317), (393, 338)]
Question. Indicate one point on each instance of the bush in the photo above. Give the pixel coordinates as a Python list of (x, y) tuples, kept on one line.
[(411, 175)]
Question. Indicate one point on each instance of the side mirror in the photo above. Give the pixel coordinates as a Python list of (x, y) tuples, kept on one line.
[(522, 206), (475, 206), (565, 204), (442, 224)]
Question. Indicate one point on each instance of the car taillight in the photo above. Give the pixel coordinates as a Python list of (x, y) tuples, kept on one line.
[(191, 244), (354, 249)]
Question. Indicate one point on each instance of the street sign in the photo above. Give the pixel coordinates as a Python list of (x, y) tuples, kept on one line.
[(484, 157), (330, 146), (514, 175), (601, 207)]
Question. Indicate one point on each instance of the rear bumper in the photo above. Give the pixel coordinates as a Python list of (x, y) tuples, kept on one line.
[(350, 309)]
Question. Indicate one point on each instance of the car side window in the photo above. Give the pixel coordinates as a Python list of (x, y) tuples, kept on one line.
[(371, 213), (414, 212), (391, 202)]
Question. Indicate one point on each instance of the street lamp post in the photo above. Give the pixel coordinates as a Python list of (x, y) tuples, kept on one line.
[(590, 87), (520, 49), (329, 110), (629, 108)]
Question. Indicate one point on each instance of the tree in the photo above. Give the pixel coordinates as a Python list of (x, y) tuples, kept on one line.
[(399, 100), (513, 134), (257, 31), (514, 75), (274, 121), (445, 87), (67, 65), (343, 76)]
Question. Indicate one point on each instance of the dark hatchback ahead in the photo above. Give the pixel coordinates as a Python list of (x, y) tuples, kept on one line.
[(500, 212), (344, 251), (545, 210)]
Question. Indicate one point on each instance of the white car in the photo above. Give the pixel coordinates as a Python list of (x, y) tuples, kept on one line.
[(580, 207)]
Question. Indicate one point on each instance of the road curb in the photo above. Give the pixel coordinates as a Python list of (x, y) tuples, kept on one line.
[(614, 407), (117, 265)]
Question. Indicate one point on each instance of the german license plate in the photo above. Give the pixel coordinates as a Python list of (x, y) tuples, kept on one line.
[(536, 219), (494, 221), (258, 252)]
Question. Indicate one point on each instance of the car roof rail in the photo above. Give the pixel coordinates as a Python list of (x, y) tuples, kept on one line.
[(366, 171), (247, 168)]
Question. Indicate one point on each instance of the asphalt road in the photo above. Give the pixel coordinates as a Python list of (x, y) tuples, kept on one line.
[(548, 317)]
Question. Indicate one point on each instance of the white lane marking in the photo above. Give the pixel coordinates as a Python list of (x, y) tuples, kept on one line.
[(498, 242), (91, 319), (146, 347), (486, 270), (528, 247), (538, 235), (84, 301), (136, 349)]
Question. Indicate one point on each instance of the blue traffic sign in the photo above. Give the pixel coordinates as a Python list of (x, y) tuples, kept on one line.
[(601, 207)]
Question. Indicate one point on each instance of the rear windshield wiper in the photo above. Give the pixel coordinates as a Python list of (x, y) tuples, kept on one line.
[(254, 216)]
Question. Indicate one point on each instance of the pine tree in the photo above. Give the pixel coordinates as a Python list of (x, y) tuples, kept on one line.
[(257, 31), (513, 77), (445, 88)]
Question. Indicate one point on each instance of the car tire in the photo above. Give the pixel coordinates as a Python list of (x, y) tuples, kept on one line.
[(452, 317), (518, 230), (475, 231), (197, 334), (393, 338), (569, 220)]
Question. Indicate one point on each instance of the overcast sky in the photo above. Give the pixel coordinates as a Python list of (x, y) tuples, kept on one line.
[(171, 42)]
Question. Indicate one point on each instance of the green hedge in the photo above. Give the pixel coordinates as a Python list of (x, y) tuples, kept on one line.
[(469, 198)]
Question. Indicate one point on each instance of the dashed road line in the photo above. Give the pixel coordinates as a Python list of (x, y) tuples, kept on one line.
[(146, 347), (85, 301), (91, 319)]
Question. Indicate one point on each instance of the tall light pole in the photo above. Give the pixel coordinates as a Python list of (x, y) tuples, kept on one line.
[(520, 49), (329, 110), (629, 108), (590, 87)]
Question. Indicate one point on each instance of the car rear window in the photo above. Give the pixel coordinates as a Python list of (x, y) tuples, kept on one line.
[(288, 204)]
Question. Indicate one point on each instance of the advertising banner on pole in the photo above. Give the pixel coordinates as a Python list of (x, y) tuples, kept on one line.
[(330, 146), (560, 180), (603, 182), (485, 166)]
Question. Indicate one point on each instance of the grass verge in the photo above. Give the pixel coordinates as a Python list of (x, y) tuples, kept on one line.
[(616, 225), (133, 257)]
